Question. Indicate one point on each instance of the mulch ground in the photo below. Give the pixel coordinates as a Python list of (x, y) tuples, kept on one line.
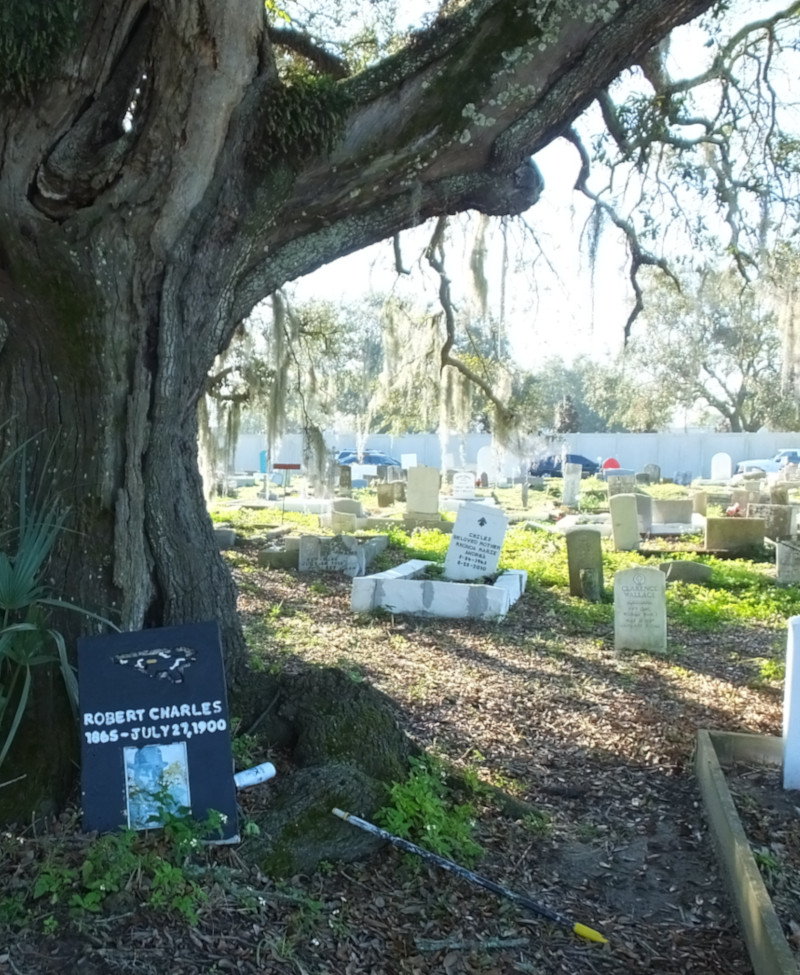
[(597, 744)]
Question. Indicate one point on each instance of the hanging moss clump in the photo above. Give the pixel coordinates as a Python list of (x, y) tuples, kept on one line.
[(34, 36)]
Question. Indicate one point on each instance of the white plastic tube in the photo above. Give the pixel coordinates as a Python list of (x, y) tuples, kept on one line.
[(252, 776)]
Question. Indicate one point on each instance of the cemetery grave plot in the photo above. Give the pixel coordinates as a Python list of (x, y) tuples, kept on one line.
[(593, 745), (769, 817)]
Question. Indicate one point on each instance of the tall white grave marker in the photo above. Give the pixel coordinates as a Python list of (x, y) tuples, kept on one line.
[(422, 490), (721, 467), (624, 522), (791, 708), (571, 484), (640, 609), (475, 544), (488, 462)]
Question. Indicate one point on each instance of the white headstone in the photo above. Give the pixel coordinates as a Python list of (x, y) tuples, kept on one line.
[(422, 490), (571, 484), (640, 609), (349, 506), (343, 521), (791, 708), (463, 485), (624, 522), (721, 467), (476, 542)]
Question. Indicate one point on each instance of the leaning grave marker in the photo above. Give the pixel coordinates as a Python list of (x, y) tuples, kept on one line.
[(476, 542), (154, 728)]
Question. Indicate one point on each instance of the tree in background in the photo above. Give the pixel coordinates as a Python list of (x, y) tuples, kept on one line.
[(567, 419), (293, 368), (715, 343)]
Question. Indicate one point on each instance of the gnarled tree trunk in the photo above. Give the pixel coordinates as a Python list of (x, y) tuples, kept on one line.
[(164, 180)]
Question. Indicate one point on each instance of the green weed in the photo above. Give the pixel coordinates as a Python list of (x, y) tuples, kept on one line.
[(154, 864), (774, 670), (320, 588), (767, 861), (538, 822), (421, 812)]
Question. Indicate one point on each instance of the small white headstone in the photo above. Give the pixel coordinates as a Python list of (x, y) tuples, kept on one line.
[(343, 521), (640, 609), (475, 543), (422, 490), (624, 522), (571, 484), (721, 467), (463, 485), (791, 708)]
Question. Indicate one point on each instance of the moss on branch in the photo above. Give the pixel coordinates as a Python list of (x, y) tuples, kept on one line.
[(299, 119)]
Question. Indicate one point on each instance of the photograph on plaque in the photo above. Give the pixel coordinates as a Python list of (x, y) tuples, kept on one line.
[(154, 729), (156, 783)]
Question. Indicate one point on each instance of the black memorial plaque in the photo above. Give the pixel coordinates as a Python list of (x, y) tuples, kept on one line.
[(154, 727)]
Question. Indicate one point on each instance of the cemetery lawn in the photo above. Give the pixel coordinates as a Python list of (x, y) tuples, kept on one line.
[(576, 760)]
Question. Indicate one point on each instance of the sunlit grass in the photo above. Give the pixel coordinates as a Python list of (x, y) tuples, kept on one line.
[(421, 544), (248, 520), (742, 591)]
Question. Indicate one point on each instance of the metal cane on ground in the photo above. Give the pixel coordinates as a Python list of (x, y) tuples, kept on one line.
[(532, 905)]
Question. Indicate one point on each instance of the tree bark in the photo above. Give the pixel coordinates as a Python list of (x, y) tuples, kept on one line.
[(165, 180)]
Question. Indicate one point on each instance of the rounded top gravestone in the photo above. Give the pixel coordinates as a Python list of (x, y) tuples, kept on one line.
[(721, 467)]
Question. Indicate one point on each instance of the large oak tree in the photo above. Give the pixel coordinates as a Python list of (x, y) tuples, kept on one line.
[(159, 177)]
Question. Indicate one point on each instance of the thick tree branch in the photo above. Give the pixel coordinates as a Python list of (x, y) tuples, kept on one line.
[(301, 44)]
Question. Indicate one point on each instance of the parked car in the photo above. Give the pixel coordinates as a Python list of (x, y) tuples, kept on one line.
[(770, 465), (378, 457), (550, 466)]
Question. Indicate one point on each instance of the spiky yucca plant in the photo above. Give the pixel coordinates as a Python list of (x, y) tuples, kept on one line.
[(26, 639)]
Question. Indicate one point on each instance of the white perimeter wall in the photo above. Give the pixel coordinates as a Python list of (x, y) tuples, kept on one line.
[(673, 452)]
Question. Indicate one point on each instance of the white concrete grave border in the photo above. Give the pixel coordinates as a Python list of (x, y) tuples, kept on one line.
[(400, 590)]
